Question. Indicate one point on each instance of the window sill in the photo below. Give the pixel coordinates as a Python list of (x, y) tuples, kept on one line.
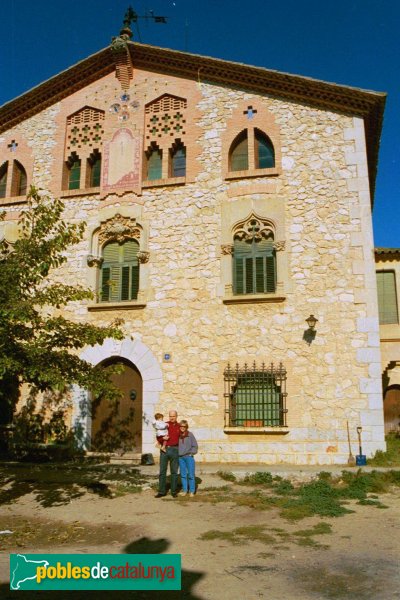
[(252, 173), (80, 192), (13, 200), (253, 298), (129, 305), (164, 182), (274, 430)]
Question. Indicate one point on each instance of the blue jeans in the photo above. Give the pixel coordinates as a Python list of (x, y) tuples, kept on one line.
[(171, 456), (187, 470)]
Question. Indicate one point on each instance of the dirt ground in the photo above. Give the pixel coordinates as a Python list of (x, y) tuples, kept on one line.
[(229, 551)]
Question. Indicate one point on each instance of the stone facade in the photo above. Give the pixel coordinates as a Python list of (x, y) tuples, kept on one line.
[(186, 323)]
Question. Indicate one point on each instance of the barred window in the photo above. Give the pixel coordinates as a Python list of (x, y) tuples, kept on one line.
[(255, 396)]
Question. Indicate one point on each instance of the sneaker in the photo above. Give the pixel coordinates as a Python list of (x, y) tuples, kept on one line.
[(174, 495), (191, 494), (182, 493), (159, 495)]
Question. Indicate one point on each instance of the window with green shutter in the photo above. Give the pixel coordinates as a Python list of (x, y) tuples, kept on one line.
[(74, 172), (94, 168), (178, 161), (3, 179), (264, 154), (154, 163), (120, 272), (254, 266), (239, 155), (19, 180), (387, 297)]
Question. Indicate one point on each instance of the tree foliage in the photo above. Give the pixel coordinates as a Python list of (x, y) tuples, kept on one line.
[(38, 344)]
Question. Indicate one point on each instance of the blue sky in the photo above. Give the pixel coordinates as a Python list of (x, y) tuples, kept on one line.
[(353, 42)]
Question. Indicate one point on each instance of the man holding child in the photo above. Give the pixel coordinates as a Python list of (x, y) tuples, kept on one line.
[(171, 457)]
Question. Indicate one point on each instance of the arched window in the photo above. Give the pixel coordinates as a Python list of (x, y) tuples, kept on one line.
[(19, 180), (264, 155), (120, 272), (94, 169), (178, 160), (254, 261), (154, 163), (238, 154), (3, 179), (74, 171)]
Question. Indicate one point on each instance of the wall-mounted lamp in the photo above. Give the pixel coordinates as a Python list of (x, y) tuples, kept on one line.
[(311, 322)]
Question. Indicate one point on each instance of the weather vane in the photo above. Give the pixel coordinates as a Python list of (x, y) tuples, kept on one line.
[(132, 17)]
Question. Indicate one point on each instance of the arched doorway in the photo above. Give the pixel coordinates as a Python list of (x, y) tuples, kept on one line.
[(391, 408), (119, 427)]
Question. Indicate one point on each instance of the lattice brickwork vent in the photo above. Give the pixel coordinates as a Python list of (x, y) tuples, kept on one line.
[(166, 117), (85, 129)]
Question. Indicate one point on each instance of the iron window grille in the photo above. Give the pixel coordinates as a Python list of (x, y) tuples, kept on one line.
[(255, 396)]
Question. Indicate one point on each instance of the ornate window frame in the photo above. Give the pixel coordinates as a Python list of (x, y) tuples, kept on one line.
[(274, 223), (119, 227)]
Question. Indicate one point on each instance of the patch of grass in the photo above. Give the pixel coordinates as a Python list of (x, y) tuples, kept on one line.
[(369, 502), (258, 478), (317, 497), (240, 535), (255, 532), (122, 489), (327, 495), (284, 487), (226, 475), (318, 529), (215, 534), (390, 458)]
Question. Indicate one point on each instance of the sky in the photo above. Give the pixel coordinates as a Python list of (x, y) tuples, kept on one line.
[(350, 42)]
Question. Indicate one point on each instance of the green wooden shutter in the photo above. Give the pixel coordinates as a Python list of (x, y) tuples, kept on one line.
[(387, 297), (125, 283), (238, 279), (260, 274), (249, 275), (111, 273), (105, 289), (115, 283), (241, 250), (134, 281)]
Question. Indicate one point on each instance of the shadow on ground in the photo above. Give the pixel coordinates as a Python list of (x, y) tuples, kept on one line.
[(58, 484)]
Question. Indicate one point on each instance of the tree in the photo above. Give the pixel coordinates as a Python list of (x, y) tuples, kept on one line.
[(38, 345)]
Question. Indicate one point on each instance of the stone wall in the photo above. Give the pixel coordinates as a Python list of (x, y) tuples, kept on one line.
[(319, 204)]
